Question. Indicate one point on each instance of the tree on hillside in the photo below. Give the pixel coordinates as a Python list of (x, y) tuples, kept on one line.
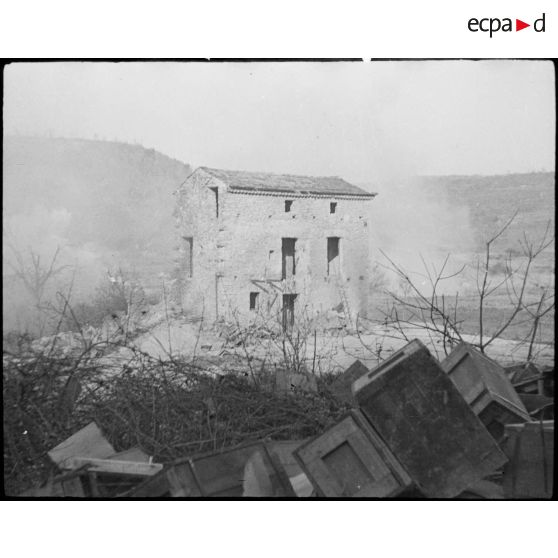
[(36, 274), (430, 310)]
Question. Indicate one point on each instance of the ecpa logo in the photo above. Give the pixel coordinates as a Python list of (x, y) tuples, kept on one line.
[(494, 24)]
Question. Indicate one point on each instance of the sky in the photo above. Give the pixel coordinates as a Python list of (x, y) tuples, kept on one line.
[(364, 121)]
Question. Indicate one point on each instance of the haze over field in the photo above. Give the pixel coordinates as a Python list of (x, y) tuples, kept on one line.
[(388, 126), (109, 206)]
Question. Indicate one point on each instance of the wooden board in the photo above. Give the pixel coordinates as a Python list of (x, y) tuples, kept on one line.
[(341, 387), (538, 406), (530, 471), (134, 454), (260, 480), (73, 487), (87, 442), (182, 482), (350, 460), (222, 474), (114, 467), (519, 373), (67, 485), (483, 490), (426, 423), (213, 475), (284, 450), (483, 383), (548, 381), (157, 486)]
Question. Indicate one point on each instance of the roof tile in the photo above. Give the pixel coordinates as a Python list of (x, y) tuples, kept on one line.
[(286, 183)]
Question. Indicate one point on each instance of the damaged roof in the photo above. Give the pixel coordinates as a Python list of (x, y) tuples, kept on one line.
[(287, 183)]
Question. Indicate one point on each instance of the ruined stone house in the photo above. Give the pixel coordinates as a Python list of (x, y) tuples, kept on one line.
[(253, 243)]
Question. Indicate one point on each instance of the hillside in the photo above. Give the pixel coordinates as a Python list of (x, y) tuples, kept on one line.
[(104, 202), (491, 200), (109, 205)]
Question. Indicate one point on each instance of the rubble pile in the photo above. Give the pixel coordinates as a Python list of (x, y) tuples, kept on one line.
[(413, 427)]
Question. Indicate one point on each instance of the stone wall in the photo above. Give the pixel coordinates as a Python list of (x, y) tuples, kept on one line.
[(196, 219), (241, 251)]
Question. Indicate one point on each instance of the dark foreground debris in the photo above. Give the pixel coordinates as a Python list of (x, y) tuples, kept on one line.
[(351, 460), (483, 384), (411, 428), (427, 424), (530, 470)]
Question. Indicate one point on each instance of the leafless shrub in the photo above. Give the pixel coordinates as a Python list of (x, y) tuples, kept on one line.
[(36, 275), (439, 316), (170, 408)]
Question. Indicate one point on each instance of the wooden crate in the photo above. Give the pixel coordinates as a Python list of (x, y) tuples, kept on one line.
[(350, 460), (214, 475), (87, 442), (67, 485), (341, 386), (485, 386), (538, 406), (424, 420), (530, 470), (520, 373)]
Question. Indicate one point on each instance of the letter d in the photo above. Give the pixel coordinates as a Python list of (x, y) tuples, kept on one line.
[(535, 25)]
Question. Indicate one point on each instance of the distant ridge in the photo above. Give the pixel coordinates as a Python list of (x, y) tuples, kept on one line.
[(489, 200), (492, 199), (118, 196)]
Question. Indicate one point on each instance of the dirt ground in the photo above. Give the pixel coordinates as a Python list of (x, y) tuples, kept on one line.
[(333, 351)]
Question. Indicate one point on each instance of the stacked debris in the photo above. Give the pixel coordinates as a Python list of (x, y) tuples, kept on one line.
[(90, 467), (252, 470), (418, 428), (455, 429)]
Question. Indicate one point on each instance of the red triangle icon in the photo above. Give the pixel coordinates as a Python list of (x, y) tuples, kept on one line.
[(519, 25)]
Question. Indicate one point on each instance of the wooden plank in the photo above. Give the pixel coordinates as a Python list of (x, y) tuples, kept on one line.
[(113, 466), (519, 373), (222, 474), (346, 461), (483, 490), (534, 403), (426, 423), (284, 450), (87, 442), (341, 386), (257, 480), (530, 471), (215, 475), (135, 454), (182, 481), (264, 477), (156, 486), (283, 453), (387, 456), (280, 482), (92, 476), (484, 384), (302, 486)]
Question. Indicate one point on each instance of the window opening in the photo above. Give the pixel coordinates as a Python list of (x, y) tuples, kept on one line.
[(332, 255), (288, 257), (188, 256), (253, 300), (288, 310), (216, 192)]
